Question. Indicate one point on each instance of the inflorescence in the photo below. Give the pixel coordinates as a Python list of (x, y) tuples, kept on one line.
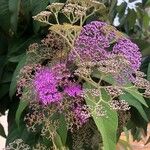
[(97, 55)]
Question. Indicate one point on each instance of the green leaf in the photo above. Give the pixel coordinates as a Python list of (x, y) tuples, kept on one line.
[(148, 72), (146, 21), (2, 64), (2, 131), (148, 3), (107, 125), (4, 89), (14, 7), (131, 18), (13, 84), (57, 139), (144, 45), (16, 58), (136, 94), (4, 15), (62, 130), (7, 76), (106, 97), (133, 102), (18, 46), (112, 10), (22, 105), (107, 78), (22, 133), (108, 128)]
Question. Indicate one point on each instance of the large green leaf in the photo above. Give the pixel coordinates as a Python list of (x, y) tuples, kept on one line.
[(4, 15), (16, 58), (107, 125), (148, 3), (2, 131), (38, 6), (131, 19), (57, 139), (133, 102), (14, 7), (112, 10), (106, 97), (22, 105), (4, 89), (148, 72), (144, 46), (18, 46), (62, 130), (136, 94), (13, 84)]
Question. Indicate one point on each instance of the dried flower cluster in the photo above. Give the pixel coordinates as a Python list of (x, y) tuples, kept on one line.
[(74, 10), (25, 77), (114, 91), (18, 144), (35, 117), (52, 47), (43, 16), (39, 146), (119, 105), (142, 83)]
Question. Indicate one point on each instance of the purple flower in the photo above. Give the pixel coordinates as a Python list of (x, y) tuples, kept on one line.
[(130, 51), (43, 78), (91, 43), (46, 86), (95, 44), (73, 90), (52, 84)]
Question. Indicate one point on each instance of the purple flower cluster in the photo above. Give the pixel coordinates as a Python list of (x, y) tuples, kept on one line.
[(45, 86), (51, 85), (93, 44), (73, 89), (130, 51)]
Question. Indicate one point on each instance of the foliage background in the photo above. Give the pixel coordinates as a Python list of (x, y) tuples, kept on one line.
[(18, 31)]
